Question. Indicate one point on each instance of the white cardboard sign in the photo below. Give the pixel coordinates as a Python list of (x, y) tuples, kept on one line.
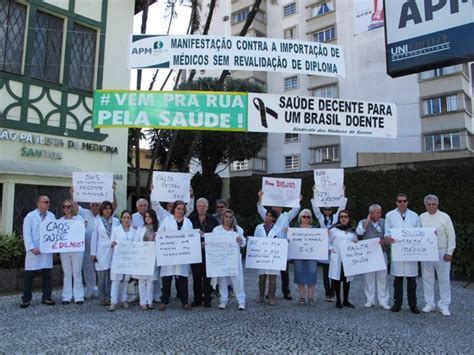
[(178, 247), (329, 187), (281, 192), (308, 243), (134, 258), (362, 257), (93, 186), (266, 253), (169, 187), (414, 244), (222, 255), (62, 236)]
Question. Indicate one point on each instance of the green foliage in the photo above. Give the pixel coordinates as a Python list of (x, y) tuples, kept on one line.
[(12, 252), (208, 187), (462, 261)]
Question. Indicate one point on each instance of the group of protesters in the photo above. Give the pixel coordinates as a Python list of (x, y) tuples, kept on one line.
[(103, 232)]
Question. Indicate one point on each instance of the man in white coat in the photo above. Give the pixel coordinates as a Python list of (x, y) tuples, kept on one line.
[(138, 217), (433, 217), (34, 259), (402, 217)]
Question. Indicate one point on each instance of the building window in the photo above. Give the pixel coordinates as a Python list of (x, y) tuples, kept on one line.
[(240, 165), (46, 43), (325, 154), (292, 137), (439, 105), (260, 16), (82, 57), (322, 8), (292, 161), (259, 34), (241, 16), (435, 73), (290, 33), (291, 83), (289, 9), (12, 35), (326, 35), (330, 91), (442, 141)]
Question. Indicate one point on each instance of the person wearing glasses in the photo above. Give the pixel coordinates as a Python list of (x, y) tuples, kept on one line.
[(433, 217), (339, 234), (402, 217), (306, 271), (34, 259), (221, 207), (72, 262)]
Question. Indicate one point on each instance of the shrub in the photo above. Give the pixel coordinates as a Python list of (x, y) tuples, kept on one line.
[(12, 252), (462, 261)]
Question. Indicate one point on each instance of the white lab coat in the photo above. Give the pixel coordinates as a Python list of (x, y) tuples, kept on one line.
[(119, 235), (169, 224), (31, 239), (138, 220), (283, 220), (393, 219), (161, 213), (89, 221), (139, 234), (100, 245), (337, 239), (275, 232)]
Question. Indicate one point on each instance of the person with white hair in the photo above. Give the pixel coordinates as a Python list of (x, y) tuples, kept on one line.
[(138, 218), (433, 217), (373, 227)]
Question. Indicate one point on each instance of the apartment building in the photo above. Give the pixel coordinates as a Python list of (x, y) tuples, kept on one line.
[(434, 107)]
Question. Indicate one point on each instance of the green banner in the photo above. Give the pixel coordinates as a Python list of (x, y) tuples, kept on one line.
[(196, 110)]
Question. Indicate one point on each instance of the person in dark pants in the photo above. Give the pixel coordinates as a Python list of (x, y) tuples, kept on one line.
[(34, 259), (201, 283)]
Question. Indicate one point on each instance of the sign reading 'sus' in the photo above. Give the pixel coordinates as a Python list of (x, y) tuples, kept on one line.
[(236, 53)]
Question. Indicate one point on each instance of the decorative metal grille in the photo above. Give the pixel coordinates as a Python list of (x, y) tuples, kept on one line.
[(12, 35), (83, 52)]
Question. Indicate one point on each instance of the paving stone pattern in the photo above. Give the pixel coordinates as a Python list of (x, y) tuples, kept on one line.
[(262, 329)]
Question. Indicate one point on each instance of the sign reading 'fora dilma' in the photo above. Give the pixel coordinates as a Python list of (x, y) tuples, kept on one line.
[(426, 34)]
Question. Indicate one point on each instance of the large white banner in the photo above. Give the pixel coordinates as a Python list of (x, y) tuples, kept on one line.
[(414, 244), (222, 255), (93, 187), (308, 243), (281, 192), (62, 236), (134, 258), (272, 113), (368, 15), (236, 53), (362, 257), (329, 188), (266, 253), (178, 247), (169, 187)]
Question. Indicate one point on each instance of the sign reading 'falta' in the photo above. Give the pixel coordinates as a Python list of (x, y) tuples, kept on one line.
[(236, 53)]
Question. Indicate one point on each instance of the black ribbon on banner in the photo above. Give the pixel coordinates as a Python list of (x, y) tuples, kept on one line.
[(260, 106)]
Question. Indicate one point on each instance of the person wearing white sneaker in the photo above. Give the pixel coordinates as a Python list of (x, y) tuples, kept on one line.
[(374, 227), (433, 217)]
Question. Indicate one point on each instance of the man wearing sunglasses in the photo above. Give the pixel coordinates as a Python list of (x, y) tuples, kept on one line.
[(402, 217), (34, 259)]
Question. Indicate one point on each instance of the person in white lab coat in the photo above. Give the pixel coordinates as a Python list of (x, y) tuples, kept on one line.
[(138, 218), (101, 250), (283, 221), (122, 233), (339, 234), (433, 217), (72, 262), (177, 221), (34, 259), (147, 233), (402, 217), (230, 228), (163, 213), (268, 229)]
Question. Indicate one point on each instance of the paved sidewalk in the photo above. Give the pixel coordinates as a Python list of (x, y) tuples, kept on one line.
[(285, 327)]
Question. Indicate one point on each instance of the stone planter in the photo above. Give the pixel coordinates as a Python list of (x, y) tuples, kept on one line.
[(12, 280)]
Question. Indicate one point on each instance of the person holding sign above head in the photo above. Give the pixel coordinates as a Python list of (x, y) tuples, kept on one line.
[(101, 250), (229, 227), (177, 221), (138, 218), (339, 234), (402, 217), (370, 228), (147, 233), (34, 259), (201, 283), (306, 271), (268, 229), (163, 213), (433, 217), (282, 220), (72, 262), (121, 233)]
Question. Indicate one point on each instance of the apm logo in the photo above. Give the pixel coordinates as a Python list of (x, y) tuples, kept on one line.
[(157, 47)]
